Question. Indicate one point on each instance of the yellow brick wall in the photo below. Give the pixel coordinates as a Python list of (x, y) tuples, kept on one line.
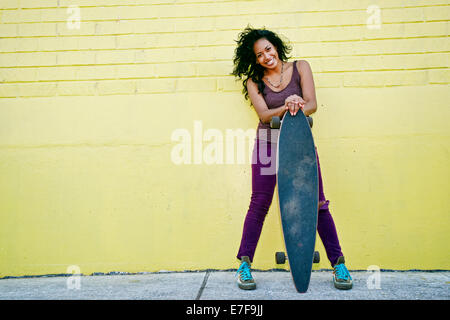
[(87, 116)]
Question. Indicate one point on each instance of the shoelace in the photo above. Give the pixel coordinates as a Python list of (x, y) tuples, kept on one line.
[(244, 271), (342, 272)]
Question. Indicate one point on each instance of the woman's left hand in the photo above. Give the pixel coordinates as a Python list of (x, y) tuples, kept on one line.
[(294, 103)]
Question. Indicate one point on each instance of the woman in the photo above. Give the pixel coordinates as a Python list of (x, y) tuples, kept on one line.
[(274, 87)]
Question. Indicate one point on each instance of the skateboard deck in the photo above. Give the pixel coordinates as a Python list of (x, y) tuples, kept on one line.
[(298, 195)]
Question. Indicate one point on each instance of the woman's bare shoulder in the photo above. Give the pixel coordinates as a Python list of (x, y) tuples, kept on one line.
[(303, 65), (251, 84)]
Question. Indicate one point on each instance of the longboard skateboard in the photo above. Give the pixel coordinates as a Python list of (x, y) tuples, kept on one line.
[(298, 195)]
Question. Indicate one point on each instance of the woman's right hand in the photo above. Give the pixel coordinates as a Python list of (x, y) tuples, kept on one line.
[(293, 103)]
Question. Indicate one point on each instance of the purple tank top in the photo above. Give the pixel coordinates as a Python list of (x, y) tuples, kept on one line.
[(276, 99)]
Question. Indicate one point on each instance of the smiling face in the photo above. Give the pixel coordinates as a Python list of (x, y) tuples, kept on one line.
[(266, 54)]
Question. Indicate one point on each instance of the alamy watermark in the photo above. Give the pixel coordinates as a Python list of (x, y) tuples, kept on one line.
[(374, 280), (214, 146), (374, 19), (74, 281), (74, 18)]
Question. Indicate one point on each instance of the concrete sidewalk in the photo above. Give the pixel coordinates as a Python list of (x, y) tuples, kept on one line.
[(221, 285)]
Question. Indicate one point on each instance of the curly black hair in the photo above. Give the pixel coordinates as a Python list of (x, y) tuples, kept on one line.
[(244, 59)]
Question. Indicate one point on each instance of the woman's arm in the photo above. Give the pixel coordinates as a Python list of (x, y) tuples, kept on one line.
[(264, 113), (308, 88)]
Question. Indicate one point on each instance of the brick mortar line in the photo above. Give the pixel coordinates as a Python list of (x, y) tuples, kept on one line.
[(231, 1), (205, 31), (215, 45)]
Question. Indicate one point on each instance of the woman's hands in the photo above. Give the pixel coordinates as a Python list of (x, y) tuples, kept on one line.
[(293, 103)]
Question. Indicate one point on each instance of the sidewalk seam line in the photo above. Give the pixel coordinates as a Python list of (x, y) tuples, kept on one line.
[(205, 280)]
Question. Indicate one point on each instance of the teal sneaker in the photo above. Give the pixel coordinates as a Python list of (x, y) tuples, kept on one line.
[(244, 276), (341, 277)]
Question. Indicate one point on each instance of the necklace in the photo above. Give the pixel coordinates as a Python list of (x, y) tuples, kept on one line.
[(281, 78)]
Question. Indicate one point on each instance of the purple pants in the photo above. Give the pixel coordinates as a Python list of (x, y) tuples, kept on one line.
[(263, 186)]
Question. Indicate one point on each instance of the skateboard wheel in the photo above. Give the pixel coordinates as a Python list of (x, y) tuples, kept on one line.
[(280, 257), (310, 121), (275, 122), (316, 258)]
